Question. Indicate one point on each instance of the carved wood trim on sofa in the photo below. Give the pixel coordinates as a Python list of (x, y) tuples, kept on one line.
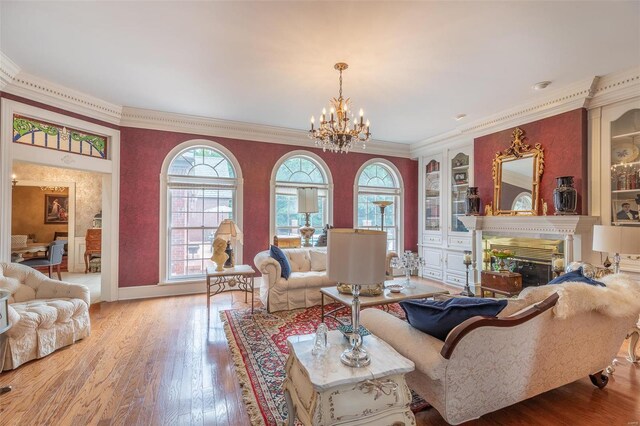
[(476, 322)]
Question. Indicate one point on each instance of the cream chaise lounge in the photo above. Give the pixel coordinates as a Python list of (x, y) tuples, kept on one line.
[(45, 315), (562, 333)]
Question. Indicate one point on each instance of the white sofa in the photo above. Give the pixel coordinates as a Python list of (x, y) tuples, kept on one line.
[(559, 336), (302, 288), (45, 315)]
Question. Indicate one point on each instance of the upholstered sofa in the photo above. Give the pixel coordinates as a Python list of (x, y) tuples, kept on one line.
[(302, 288), (45, 315), (546, 338)]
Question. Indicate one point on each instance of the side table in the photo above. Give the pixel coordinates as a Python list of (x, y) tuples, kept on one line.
[(321, 390), (238, 278), (505, 283), (4, 326)]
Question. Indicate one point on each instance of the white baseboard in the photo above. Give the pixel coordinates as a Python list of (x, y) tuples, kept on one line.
[(164, 290)]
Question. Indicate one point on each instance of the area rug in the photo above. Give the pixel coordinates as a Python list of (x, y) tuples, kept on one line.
[(258, 345)]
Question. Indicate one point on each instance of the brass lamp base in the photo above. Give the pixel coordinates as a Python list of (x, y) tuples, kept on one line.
[(372, 290)]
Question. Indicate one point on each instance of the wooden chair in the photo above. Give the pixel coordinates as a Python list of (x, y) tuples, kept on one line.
[(93, 246), (53, 258)]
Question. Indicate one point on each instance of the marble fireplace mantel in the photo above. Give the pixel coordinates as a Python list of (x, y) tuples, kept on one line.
[(576, 231)]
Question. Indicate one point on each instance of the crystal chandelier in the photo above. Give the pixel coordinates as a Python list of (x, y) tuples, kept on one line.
[(341, 131)]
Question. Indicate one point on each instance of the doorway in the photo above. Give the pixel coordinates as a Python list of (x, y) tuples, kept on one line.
[(107, 170), (53, 203)]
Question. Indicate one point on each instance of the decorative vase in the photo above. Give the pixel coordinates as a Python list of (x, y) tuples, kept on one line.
[(472, 202), (565, 196)]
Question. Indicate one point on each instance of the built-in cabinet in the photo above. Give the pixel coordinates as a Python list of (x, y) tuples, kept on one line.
[(445, 176), (619, 143)]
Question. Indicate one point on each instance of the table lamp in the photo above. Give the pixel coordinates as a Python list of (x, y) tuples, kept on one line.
[(618, 240), (307, 204), (356, 257), (230, 232)]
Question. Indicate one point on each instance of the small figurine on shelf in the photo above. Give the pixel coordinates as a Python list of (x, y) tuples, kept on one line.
[(544, 208), (488, 209)]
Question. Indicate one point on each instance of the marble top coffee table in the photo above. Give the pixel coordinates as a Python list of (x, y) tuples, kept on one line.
[(320, 389), (419, 291)]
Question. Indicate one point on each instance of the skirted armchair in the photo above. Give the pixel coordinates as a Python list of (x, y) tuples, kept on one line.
[(44, 314)]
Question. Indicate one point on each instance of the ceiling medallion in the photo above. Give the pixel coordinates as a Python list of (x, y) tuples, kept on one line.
[(341, 131)]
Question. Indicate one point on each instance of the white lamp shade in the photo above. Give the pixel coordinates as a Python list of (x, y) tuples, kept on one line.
[(356, 256), (229, 231), (307, 200), (616, 239)]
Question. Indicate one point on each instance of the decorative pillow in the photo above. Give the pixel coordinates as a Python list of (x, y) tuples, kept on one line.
[(279, 255), (575, 276), (318, 260), (438, 318)]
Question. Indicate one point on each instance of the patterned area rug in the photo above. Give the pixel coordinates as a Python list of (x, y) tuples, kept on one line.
[(259, 350)]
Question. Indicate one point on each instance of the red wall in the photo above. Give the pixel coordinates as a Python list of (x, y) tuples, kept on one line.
[(142, 152), (564, 140)]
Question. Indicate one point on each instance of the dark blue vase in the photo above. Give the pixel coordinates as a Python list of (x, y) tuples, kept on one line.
[(565, 196)]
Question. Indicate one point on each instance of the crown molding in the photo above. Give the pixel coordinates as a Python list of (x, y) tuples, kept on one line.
[(8, 70), (40, 90), (173, 122), (574, 96), (616, 87)]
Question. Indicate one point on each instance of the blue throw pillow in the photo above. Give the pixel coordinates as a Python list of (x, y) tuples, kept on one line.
[(575, 276), (438, 318), (279, 255)]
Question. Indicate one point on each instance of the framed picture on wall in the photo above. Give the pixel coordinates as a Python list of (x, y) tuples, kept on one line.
[(56, 208), (625, 210)]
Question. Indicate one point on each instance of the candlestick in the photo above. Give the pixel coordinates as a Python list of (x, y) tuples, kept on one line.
[(467, 262)]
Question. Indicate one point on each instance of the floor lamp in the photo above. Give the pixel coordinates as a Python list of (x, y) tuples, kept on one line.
[(616, 239), (356, 257), (383, 205)]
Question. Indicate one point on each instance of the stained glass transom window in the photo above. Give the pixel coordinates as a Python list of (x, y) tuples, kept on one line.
[(29, 131)]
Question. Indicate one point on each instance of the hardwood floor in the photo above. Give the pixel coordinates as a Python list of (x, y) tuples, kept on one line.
[(152, 362)]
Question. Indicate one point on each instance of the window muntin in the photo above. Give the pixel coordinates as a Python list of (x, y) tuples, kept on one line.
[(377, 182), (201, 193), (295, 172)]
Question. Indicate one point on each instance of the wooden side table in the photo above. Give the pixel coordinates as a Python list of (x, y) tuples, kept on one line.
[(505, 283), (4, 326), (238, 278), (321, 390)]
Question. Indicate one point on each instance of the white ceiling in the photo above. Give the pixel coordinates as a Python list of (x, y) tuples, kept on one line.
[(413, 65)]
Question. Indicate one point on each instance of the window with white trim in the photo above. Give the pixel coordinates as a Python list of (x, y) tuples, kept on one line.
[(201, 193), (378, 182), (299, 171)]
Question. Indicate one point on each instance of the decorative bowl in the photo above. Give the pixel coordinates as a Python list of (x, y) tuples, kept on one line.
[(395, 288)]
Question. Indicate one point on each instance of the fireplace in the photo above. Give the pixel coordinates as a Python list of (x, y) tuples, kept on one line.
[(532, 256), (534, 239)]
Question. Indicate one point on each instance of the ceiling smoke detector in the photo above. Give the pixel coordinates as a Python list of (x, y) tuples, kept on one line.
[(541, 85)]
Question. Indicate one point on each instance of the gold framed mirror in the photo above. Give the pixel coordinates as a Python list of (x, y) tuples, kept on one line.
[(516, 177)]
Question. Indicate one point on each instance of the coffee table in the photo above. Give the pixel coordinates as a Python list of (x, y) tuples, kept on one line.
[(321, 390), (420, 291)]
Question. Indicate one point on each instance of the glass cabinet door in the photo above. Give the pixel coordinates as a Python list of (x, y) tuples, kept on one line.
[(432, 198), (459, 184), (625, 169)]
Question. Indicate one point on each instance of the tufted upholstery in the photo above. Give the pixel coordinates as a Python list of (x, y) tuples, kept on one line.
[(302, 289), (45, 315)]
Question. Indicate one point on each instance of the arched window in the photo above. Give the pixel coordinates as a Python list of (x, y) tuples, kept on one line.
[(201, 191), (291, 172), (523, 201), (378, 180)]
